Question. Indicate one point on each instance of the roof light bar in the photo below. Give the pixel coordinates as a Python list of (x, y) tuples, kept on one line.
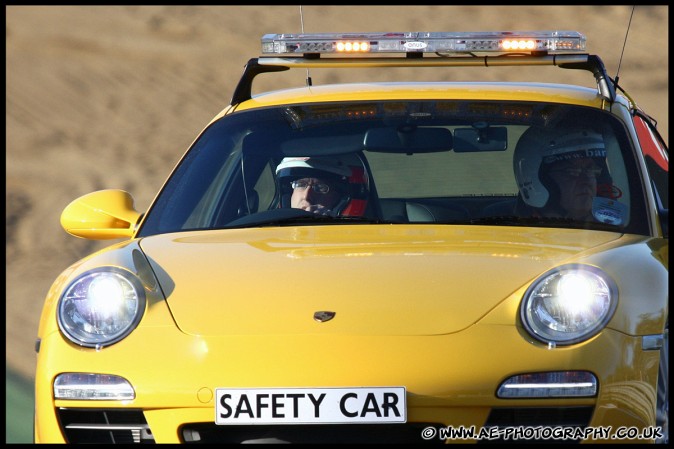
[(426, 42)]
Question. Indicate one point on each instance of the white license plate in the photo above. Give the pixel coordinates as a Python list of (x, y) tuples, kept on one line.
[(358, 405)]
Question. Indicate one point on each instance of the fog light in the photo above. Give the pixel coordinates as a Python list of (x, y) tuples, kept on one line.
[(557, 384), (85, 387)]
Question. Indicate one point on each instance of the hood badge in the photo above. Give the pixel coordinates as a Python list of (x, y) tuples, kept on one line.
[(323, 315)]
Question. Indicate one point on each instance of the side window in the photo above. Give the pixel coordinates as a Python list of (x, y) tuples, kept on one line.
[(656, 156), (266, 188)]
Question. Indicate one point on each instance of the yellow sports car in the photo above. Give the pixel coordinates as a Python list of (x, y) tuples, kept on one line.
[(379, 262)]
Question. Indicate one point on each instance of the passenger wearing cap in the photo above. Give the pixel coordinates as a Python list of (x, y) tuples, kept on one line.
[(324, 185), (557, 173)]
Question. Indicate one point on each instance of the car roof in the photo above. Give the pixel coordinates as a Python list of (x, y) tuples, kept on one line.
[(505, 91)]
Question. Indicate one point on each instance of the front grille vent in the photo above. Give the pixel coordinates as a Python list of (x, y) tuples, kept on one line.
[(105, 426), (577, 417), (307, 434), (112, 426)]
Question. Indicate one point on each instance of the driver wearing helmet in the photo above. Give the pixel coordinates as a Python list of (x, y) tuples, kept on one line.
[(557, 173), (325, 185)]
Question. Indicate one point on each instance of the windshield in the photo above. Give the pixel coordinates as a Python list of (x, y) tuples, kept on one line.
[(399, 162)]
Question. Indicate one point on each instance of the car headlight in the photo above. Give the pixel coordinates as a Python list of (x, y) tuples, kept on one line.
[(569, 304), (101, 307)]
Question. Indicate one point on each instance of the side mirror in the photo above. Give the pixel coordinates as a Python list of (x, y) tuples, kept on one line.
[(101, 215)]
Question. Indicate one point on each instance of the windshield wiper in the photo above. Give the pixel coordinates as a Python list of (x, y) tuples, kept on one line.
[(290, 217), (513, 220), (318, 219)]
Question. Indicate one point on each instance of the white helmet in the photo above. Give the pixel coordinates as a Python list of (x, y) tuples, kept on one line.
[(539, 147), (333, 165), (347, 169)]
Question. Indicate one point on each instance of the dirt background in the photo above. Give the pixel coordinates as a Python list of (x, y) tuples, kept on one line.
[(111, 96)]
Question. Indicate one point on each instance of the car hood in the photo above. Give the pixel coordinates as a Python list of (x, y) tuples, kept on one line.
[(377, 279)]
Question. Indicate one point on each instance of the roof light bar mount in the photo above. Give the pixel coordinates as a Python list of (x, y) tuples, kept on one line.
[(264, 64)]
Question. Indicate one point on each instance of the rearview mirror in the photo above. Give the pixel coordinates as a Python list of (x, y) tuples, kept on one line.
[(493, 138), (408, 139)]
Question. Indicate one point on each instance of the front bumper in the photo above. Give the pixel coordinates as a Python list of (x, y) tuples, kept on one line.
[(451, 380)]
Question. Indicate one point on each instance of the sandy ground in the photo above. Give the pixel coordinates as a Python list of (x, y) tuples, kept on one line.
[(111, 96)]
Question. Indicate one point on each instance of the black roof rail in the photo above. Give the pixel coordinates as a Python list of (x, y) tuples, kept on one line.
[(243, 90)]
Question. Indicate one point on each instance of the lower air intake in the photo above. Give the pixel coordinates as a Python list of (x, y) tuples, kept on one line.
[(537, 417), (314, 433), (104, 426)]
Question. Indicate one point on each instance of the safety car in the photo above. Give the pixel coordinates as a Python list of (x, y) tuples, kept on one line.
[(446, 294)]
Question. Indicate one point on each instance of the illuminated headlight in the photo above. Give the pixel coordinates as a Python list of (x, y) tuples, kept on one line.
[(86, 386), (569, 304), (101, 307)]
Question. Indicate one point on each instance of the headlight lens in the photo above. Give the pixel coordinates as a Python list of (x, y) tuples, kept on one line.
[(569, 304), (101, 307)]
